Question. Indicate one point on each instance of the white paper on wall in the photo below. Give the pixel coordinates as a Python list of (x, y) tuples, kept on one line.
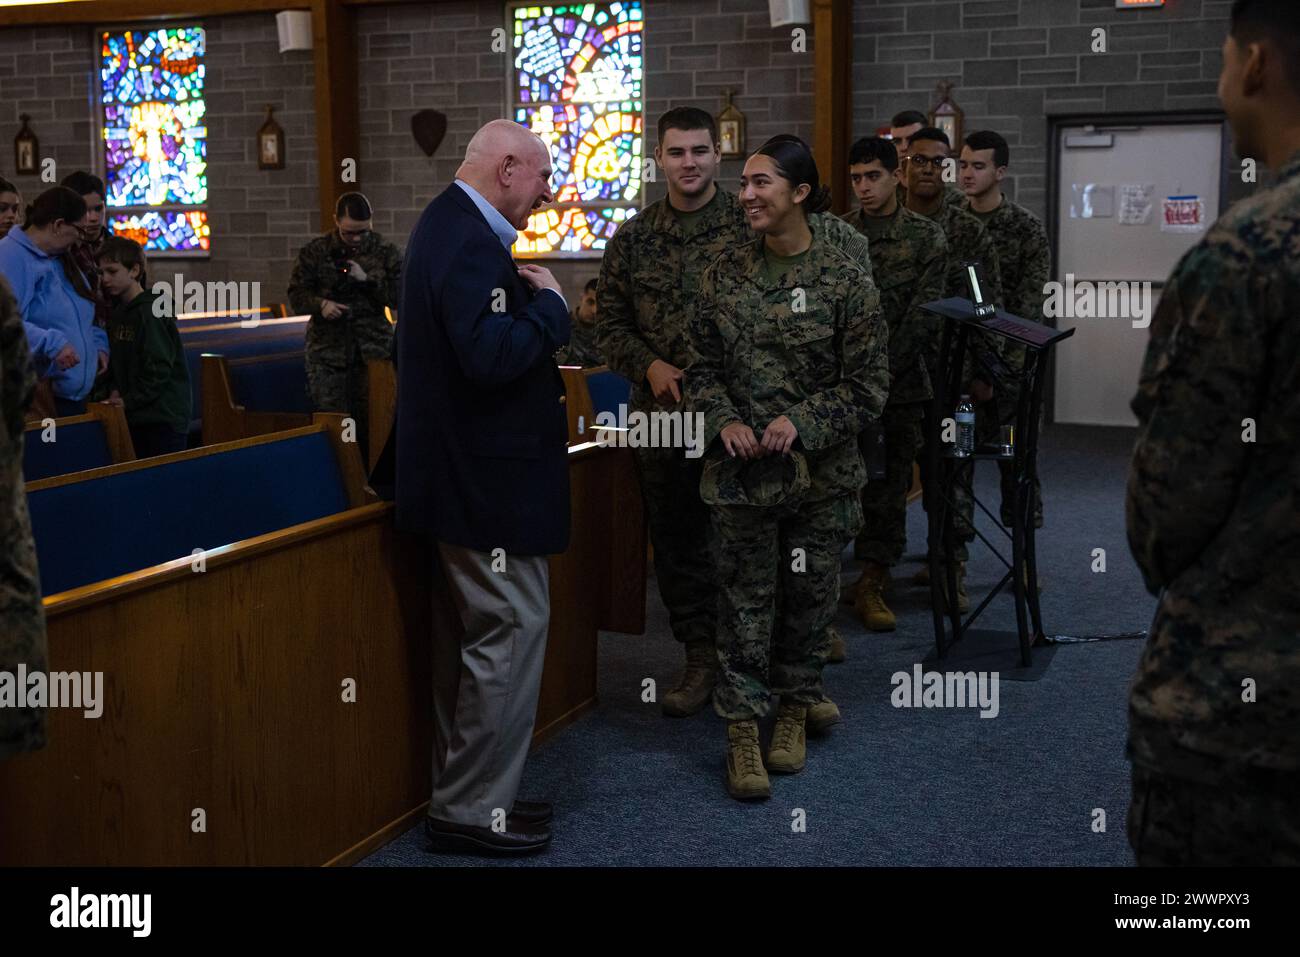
[(1091, 201), (1135, 203)]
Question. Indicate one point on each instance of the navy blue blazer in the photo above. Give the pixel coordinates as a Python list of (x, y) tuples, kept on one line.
[(481, 433)]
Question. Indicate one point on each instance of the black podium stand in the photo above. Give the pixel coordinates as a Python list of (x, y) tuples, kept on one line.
[(947, 471)]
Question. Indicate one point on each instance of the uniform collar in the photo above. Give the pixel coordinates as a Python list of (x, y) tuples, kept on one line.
[(713, 214), (858, 220), (805, 273), (997, 210), (337, 244)]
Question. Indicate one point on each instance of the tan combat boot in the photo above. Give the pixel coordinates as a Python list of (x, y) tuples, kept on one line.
[(823, 716), (787, 753), (693, 690), (837, 650), (746, 776), (870, 600)]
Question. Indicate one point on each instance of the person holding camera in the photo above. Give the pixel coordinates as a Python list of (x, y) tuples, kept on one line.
[(345, 280)]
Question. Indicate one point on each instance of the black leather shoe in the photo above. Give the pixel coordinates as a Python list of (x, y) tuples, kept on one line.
[(531, 812), (448, 837)]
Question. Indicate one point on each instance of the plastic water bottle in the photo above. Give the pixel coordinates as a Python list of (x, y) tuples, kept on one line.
[(965, 419)]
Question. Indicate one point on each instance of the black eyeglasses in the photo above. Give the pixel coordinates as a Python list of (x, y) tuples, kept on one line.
[(934, 162)]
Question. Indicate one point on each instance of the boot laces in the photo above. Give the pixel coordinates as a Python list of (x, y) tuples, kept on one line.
[(787, 732), (748, 759)]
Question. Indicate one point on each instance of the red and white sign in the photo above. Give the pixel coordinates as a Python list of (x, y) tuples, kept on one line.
[(1183, 214)]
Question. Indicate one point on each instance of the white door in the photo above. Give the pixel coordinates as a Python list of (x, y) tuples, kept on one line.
[(1103, 192)]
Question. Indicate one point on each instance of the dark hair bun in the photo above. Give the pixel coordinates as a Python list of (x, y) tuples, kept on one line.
[(819, 200)]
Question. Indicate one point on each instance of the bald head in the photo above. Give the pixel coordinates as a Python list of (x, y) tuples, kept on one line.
[(510, 167)]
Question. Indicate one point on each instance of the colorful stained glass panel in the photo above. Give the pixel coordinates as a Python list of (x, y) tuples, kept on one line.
[(595, 150), (577, 81), (154, 133), (164, 230), (573, 229)]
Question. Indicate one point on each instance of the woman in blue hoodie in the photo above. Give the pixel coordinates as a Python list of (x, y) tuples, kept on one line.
[(67, 347)]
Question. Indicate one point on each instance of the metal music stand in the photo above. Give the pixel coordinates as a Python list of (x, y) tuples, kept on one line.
[(946, 471)]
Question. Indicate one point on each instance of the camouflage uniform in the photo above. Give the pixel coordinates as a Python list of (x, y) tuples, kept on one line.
[(581, 350), (1025, 258), (1213, 525), (952, 195), (337, 349), (827, 369), (969, 240), (645, 301), (22, 617), (912, 260)]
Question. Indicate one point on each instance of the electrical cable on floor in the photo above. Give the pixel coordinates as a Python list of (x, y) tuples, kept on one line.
[(1078, 639)]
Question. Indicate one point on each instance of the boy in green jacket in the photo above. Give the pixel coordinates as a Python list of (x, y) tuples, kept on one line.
[(146, 369)]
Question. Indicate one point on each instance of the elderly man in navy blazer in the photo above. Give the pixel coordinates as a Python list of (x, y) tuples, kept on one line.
[(482, 469)]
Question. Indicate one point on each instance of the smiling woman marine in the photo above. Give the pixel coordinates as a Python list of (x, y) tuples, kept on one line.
[(792, 365)]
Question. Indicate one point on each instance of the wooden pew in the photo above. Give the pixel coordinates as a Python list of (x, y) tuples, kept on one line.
[(274, 332), (583, 406), (224, 688), (381, 378), (78, 442), (615, 587), (225, 417), (276, 310)]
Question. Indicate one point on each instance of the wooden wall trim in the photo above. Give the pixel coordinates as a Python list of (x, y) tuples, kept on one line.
[(110, 11), (99, 12), (832, 82), (338, 104)]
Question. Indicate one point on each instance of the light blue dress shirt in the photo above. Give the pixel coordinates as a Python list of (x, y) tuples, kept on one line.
[(500, 225)]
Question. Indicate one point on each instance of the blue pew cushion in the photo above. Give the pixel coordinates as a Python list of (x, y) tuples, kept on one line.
[(608, 391), (104, 527), (76, 447), (271, 383)]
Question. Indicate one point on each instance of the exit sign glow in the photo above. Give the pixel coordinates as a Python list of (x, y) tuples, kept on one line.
[(1126, 4)]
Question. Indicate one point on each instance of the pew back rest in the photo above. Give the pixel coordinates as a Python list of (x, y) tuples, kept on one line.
[(271, 383), (236, 395), (608, 390), (76, 443), (129, 517), (234, 340)]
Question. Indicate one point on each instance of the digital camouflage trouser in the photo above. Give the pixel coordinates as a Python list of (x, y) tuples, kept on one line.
[(778, 590), (333, 387), (22, 616), (679, 532), (884, 502), (1174, 822)]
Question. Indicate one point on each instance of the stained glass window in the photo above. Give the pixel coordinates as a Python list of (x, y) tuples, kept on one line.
[(155, 141), (577, 83)]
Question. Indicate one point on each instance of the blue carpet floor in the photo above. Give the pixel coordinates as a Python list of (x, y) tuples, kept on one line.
[(888, 786)]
